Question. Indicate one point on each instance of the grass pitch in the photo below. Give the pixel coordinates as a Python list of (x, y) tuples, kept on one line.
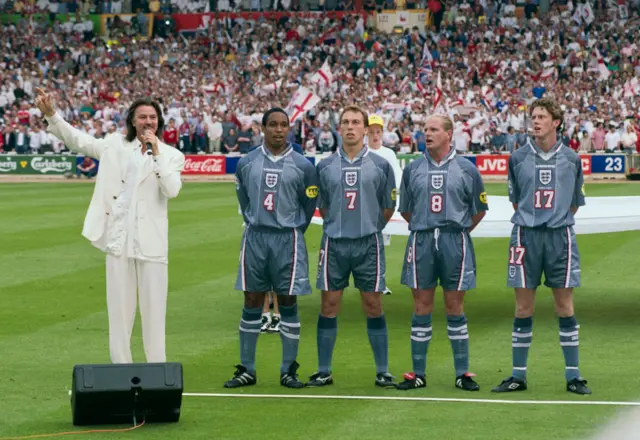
[(53, 316)]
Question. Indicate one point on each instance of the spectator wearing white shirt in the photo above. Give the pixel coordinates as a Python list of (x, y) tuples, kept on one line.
[(629, 139), (612, 139), (38, 140), (390, 138), (477, 138)]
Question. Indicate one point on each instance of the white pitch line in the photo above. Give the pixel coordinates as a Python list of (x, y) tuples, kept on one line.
[(417, 399)]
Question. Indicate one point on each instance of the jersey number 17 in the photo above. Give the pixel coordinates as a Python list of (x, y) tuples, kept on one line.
[(543, 199)]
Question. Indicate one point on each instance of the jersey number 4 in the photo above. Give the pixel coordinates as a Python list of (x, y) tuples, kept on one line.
[(351, 199), (543, 198), (436, 203), (268, 202)]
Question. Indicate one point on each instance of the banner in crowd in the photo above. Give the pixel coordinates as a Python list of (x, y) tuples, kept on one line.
[(193, 22), (214, 165), (205, 165), (498, 165), (37, 165), (106, 22), (43, 18), (387, 20)]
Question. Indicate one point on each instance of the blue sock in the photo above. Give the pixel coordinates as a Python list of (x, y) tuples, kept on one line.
[(379, 340), (327, 333), (420, 337), (289, 335), (569, 343), (520, 342), (249, 332), (459, 338)]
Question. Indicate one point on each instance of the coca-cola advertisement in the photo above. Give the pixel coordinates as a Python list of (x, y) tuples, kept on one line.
[(204, 165)]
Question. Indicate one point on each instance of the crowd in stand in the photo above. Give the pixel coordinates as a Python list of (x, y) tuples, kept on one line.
[(482, 64)]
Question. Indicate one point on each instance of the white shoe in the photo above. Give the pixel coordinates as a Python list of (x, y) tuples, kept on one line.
[(266, 323), (275, 325)]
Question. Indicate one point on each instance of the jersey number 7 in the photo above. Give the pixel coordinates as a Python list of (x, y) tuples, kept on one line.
[(351, 197)]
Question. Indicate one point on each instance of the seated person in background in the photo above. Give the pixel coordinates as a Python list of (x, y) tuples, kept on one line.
[(87, 168)]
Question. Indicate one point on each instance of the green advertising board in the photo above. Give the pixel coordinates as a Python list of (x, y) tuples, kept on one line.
[(41, 18), (37, 164), (406, 158)]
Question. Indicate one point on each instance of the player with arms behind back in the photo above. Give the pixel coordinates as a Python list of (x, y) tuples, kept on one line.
[(356, 200), (546, 187), (443, 200), (276, 188)]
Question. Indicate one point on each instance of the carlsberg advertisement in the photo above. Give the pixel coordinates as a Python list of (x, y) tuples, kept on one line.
[(44, 164)]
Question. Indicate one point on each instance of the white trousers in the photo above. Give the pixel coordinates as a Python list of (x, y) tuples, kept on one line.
[(127, 280)]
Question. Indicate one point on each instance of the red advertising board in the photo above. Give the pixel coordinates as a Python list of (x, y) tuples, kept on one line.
[(586, 164), (192, 22), (205, 165), (492, 165)]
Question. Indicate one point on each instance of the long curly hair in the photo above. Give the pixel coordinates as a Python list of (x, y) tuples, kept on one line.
[(131, 130)]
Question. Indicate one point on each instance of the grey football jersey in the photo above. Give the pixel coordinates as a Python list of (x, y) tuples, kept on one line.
[(278, 192), (355, 193), (441, 195), (545, 185)]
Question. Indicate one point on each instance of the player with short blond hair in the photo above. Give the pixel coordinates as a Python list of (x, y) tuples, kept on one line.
[(443, 200)]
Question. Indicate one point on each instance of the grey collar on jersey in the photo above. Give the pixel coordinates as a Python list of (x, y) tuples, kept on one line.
[(548, 155), (362, 153), (288, 149), (450, 155)]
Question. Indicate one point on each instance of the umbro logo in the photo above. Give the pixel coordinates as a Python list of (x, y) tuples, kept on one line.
[(514, 386)]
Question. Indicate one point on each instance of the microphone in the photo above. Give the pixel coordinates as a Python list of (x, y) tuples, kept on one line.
[(148, 145)]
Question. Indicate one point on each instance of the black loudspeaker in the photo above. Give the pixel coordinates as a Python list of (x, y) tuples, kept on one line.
[(124, 393)]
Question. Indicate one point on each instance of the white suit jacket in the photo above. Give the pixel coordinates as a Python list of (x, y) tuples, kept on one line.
[(156, 185)]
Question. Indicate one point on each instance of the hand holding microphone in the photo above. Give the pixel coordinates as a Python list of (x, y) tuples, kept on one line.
[(151, 142)]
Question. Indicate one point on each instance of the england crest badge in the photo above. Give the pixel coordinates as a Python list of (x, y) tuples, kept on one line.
[(271, 179), (545, 176), (351, 177), (437, 181)]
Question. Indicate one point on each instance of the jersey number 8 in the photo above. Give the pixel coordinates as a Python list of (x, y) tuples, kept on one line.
[(436, 203)]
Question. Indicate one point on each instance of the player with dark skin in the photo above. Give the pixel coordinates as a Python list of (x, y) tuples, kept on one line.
[(275, 140), (276, 189)]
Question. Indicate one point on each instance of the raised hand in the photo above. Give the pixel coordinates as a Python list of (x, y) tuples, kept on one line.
[(44, 103)]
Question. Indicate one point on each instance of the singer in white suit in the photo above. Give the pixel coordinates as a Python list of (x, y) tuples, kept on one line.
[(127, 219)]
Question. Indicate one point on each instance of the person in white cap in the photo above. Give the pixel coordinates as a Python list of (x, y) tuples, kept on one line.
[(374, 142)]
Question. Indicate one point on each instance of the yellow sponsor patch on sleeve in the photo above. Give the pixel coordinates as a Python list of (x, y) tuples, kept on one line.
[(483, 197), (583, 191), (394, 194), (312, 192)]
